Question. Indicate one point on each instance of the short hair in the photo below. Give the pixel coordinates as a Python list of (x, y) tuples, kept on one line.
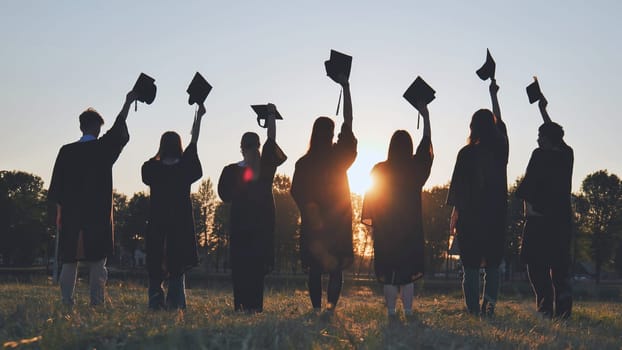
[(250, 140), (553, 131), (89, 119)]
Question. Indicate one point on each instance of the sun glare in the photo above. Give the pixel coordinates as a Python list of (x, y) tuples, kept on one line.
[(358, 174)]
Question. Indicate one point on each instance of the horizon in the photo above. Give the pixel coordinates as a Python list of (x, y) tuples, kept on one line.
[(72, 56)]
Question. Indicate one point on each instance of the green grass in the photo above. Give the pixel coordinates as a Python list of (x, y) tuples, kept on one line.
[(33, 310)]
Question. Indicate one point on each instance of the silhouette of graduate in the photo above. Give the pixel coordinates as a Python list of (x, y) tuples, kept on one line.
[(478, 194), (546, 192), (171, 240), (247, 185), (392, 207), (322, 193), (81, 187)]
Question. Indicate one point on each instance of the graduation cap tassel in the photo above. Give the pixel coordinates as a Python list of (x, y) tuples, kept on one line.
[(339, 102), (135, 106), (418, 119)]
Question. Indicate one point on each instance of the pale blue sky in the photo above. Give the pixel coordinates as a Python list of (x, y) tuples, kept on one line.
[(59, 57)]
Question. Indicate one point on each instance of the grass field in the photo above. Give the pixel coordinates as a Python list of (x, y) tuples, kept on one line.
[(32, 317)]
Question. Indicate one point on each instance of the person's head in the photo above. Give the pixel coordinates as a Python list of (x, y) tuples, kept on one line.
[(400, 147), (550, 135), (482, 127), (91, 122), (249, 145), (322, 134), (170, 146)]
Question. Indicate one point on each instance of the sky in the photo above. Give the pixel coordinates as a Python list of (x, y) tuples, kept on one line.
[(60, 57)]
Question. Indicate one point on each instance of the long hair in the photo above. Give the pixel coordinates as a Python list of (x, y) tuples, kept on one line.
[(170, 146), (322, 135), (483, 129), (400, 147)]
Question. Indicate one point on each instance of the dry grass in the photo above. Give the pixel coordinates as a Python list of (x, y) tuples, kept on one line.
[(31, 313)]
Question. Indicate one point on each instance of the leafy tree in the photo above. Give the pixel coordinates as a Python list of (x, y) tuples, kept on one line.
[(24, 229), (514, 231), (218, 240), (286, 233), (362, 239), (204, 207), (603, 195), (435, 226), (582, 237), (120, 215), (135, 216)]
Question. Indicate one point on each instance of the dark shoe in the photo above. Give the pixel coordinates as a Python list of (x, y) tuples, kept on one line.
[(563, 306), (488, 308), (394, 320)]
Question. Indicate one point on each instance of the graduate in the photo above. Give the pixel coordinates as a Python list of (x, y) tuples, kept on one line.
[(81, 188), (546, 192), (392, 207), (171, 240), (321, 191), (478, 194), (247, 185)]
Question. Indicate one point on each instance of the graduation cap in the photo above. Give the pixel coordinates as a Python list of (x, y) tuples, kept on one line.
[(263, 112), (533, 91), (488, 69), (145, 89), (419, 91), (198, 89), (339, 63)]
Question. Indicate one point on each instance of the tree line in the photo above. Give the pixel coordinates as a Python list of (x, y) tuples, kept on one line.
[(27, 229)]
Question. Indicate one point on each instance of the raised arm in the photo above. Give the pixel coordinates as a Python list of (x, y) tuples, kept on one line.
[(494, 89), (271, 122), (196, 126), (347, 100), (119, 123), (542, 106), (424, 155), (130, 97), (423, 109)]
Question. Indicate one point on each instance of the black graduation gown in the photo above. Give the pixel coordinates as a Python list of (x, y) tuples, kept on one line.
[(478, 190), (321, 181), (170, 235), (393, 208), (547, 187), (252, 215), (82, 185)]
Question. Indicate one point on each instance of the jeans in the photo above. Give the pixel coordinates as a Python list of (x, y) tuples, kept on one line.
[(176, 298), (471, 289), (335, 281), (407, 293), (98, 275)]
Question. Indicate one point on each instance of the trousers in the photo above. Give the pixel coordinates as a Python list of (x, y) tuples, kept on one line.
[(176, 297), (98, 275), (335, 282), (471, 289), (551, 285)]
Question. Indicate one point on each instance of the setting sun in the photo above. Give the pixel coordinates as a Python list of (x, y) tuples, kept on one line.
[(358, 175)]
